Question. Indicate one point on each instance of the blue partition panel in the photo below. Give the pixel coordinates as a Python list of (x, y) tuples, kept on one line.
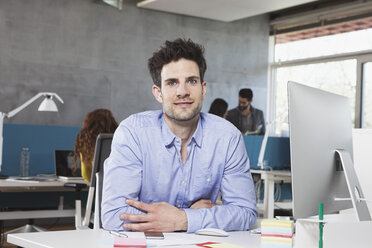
[(42, 140), (276, 154)]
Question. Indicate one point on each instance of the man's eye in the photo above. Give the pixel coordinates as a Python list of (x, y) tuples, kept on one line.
[(171, 83), (193, 81)]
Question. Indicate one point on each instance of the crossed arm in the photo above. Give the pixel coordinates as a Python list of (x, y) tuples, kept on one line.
[(159, 216), (238, 211)]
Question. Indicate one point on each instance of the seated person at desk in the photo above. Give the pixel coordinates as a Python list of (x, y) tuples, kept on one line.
[(219, 108), (167, 167), (96, 122), (245, 117)]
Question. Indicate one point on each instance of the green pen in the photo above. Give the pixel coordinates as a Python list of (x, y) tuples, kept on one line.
[(321, 225)]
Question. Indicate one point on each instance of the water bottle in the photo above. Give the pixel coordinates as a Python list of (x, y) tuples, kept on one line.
[(25, 162)]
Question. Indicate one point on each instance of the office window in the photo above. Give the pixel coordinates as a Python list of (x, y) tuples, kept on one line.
[(329, 63), (326, 45), (336, 77)]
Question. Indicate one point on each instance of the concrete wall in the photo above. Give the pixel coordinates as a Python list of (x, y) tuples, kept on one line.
[(95, 56)]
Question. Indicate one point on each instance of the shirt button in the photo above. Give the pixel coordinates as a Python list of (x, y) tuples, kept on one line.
[(208, 179), (178, 205), (183, 182)]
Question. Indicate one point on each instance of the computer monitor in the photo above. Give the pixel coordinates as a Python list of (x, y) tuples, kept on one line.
[(319, 124)]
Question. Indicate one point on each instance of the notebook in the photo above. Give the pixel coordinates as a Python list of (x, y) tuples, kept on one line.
[(129, 242), (65, 168)]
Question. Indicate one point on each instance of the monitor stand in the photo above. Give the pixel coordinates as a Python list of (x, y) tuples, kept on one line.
[(356, 194)]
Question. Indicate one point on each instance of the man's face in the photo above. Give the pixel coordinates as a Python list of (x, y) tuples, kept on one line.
[(243, 103), (181, 92)]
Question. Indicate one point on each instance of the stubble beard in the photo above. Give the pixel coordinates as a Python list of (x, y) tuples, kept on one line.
[(243, 108), (172, 114)]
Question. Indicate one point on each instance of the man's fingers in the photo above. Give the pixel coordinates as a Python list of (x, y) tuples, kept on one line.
[(139, 205), (139, 227), (135, 217)]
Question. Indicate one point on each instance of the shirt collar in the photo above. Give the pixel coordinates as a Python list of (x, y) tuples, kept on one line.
[(166, 133), (169, 137), (198, 134)]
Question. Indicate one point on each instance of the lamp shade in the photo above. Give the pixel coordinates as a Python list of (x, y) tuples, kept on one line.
[(115, 3), (48, 105)]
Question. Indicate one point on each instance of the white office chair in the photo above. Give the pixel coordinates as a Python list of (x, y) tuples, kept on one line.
[(102, 151), (30, 227), (261, 155), (78, 187)]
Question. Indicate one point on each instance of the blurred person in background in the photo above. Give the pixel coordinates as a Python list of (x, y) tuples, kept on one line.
[(245, 117), (96, 122), (219, 108)]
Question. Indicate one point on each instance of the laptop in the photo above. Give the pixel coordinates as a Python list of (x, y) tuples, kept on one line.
[(65, 168)]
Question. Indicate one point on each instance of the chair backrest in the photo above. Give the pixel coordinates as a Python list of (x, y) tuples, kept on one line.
[(102, 151)]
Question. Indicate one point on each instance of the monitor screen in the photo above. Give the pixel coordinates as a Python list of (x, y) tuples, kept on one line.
[(319, 123)]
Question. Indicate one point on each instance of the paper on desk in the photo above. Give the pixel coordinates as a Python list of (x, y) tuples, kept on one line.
[(224, 245), (170, 239), (176, 239), (180, 239), (22, 180)]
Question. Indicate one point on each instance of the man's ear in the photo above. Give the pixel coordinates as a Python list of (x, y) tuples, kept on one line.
[(204, 89), (156, 91)]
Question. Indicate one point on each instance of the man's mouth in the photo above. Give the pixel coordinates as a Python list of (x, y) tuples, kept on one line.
[(183, 103)]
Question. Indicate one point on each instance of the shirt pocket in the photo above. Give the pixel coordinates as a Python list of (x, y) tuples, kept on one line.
[(202, 186)]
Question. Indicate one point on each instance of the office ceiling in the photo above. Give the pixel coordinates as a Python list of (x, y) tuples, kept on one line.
[(220, 10)]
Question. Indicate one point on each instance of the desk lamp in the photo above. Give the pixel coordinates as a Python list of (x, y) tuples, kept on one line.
[(46, 105), (115, 3)]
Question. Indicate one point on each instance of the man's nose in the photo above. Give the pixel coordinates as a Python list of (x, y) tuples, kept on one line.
[(183, 90)]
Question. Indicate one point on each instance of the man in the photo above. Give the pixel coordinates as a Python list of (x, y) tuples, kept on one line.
[(167, 167), (245, 117)]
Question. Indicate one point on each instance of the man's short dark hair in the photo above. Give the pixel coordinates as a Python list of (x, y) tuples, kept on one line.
[(174, 51), (246, 93)]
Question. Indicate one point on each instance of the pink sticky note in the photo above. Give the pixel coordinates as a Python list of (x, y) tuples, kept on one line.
[(129, 242)]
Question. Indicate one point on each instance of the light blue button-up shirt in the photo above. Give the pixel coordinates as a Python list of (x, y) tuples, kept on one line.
[(145, 164)]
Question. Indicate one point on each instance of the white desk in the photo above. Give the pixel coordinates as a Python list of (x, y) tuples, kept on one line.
[(102, 239), (43, 186), (270, 177), (24, 186)]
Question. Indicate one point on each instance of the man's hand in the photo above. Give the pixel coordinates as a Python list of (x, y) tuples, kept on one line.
[(202, 203), (160, 216)]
